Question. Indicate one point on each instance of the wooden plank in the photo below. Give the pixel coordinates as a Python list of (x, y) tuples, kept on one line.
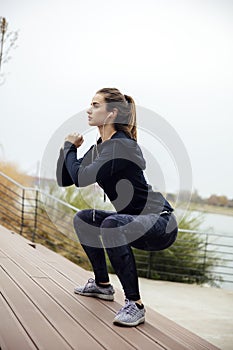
[(97, 310), (96, 324), (5, 233), (84, 317), (12, 333), (50, 257), (66, 275), (162, 323), (174, 331), (168, 339), (69, 330), (2, 254), (41, 331), (173, 328), (4, 230)]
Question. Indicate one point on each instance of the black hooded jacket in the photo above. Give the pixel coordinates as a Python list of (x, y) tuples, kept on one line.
[(117, 166)]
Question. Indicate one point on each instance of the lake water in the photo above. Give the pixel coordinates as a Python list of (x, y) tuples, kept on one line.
[(222, 225), (217, 223)]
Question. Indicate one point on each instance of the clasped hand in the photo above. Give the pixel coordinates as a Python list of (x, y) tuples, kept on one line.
[(75, 138)]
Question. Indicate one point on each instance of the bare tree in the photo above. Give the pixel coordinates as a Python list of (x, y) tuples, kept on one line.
[(7, 43)]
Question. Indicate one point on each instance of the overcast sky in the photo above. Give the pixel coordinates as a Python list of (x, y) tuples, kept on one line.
[(173, 57)]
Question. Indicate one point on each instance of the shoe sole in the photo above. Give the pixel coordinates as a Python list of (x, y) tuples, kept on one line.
[(96, 295), (132, 324)]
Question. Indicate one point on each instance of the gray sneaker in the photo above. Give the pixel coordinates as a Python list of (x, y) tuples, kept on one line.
[(130, 315), (92, 290)]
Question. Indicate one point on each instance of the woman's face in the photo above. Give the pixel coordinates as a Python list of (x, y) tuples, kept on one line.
[(97, 113)]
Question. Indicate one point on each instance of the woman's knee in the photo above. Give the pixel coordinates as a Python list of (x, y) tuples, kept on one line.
[(109, 222), (83, 215), (172, 226), (82, 218)]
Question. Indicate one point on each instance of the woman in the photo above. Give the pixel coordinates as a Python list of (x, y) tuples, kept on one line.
[(143, 218)]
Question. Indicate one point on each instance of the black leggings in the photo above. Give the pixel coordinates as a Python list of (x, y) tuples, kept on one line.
[(117, 233)]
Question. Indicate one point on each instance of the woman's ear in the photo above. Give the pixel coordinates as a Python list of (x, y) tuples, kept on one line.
[(114, 113)]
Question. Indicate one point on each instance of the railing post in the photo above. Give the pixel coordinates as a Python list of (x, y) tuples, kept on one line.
[(35, 216), (205, 253), (149, 265), (22, 213)]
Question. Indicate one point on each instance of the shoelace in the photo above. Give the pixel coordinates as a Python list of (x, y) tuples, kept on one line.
[(129, 308)]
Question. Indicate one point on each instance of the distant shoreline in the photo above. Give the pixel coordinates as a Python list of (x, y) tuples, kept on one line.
[(205, 208)]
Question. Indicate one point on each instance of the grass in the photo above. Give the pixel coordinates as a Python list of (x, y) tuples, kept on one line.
[(206, 208)]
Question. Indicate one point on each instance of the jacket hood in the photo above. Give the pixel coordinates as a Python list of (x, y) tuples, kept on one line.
[(127, 148)]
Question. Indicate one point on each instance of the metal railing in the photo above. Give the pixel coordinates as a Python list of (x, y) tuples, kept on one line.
[(196, 256), (22, 210)]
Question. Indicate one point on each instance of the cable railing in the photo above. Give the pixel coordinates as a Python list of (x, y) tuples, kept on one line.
[(196, 257), (22, 210)]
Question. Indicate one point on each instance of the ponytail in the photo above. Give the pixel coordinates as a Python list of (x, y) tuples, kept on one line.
[(132, 117)]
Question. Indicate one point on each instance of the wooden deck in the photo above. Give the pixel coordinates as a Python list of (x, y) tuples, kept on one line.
[(40, 311)]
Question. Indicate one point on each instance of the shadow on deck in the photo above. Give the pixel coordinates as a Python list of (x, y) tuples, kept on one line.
[(40, 311)]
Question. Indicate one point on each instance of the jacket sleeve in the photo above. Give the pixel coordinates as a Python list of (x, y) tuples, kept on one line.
[(63, 177), (85, 173)]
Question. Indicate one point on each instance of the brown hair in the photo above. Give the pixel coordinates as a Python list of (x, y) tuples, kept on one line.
[(126, 116)]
